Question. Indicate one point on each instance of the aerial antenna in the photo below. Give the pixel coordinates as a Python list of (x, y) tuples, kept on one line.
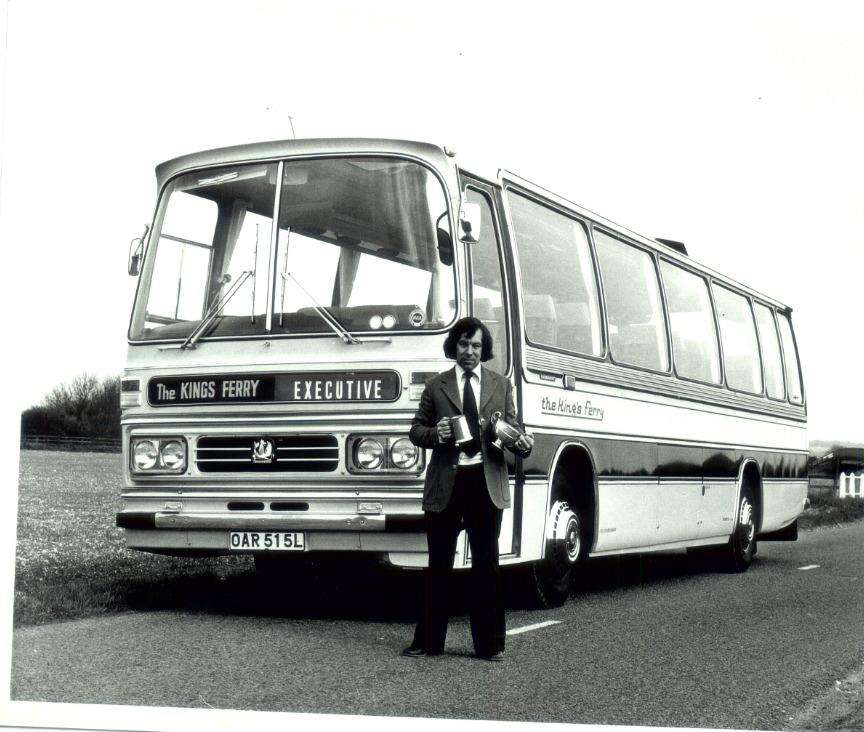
[(291, 122)]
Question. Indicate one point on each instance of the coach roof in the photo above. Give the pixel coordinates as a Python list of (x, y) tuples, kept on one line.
[(431, 154)]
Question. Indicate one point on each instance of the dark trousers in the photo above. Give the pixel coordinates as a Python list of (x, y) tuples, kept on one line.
[(469, 507)]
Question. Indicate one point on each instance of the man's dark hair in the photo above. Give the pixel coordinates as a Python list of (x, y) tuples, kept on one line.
[(468, 327)]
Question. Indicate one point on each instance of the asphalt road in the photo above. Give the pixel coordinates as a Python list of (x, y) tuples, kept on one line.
[(653, 640)]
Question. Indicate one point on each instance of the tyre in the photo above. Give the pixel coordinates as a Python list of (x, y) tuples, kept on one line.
[(738, 554), (551, 579)]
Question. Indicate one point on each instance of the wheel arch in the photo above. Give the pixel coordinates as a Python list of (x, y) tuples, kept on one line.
[(574, 460)]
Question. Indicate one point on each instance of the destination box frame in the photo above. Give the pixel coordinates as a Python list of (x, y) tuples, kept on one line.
[(274, 381)]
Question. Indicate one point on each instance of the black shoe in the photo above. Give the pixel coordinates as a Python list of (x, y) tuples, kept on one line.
[(413, 651), (496, 657)]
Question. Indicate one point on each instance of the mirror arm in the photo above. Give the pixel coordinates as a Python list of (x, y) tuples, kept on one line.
[(469, 222), (136, 253)]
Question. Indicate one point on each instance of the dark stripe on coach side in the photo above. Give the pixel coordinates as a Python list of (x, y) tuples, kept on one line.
[(617, 458)]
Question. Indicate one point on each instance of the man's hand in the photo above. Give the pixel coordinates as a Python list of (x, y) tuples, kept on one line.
[(443, 429), (524, 443)]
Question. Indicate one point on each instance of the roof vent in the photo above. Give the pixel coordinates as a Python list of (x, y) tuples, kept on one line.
[(678, 246)]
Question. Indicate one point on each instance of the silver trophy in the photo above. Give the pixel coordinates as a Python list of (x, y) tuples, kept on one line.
[(505, 434)]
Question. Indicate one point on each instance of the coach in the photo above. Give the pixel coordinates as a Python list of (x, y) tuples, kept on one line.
[(466, 486)]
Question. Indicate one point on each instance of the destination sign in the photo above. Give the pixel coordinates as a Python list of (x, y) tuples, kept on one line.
[(309, 387)]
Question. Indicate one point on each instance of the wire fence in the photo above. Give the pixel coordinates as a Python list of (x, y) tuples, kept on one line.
[(75, 444)]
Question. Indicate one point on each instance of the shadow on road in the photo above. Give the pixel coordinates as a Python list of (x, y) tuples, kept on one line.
[(631, 570), (334, 589)]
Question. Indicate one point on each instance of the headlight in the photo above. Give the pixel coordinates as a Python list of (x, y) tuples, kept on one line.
[(389, 321), (382, 453), (173, 455), (144, 455), (158, 455), (403, 454), (369, 454)]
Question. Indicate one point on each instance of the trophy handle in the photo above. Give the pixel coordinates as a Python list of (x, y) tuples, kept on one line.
[(493, 420)]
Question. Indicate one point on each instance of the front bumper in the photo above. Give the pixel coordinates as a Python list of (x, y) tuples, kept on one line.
[(143, 520), (201, 522)]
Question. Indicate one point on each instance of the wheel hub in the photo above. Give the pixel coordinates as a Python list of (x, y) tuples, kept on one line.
[(745, 521), (571, 540), (564, 535)]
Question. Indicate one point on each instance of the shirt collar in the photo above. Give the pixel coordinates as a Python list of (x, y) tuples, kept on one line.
[(460, 379)]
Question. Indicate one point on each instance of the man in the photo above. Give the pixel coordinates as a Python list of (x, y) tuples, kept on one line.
[(466, 486)]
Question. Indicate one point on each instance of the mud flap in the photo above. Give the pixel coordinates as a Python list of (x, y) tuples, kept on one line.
[(788, 533)]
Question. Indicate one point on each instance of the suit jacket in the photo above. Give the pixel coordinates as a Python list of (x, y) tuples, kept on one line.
[(442, 398)]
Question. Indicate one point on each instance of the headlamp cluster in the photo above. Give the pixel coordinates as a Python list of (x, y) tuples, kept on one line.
[(157, 455), (384, 453)]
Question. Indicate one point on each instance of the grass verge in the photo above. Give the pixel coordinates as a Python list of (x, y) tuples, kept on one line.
[(831, 511), (841, 707), (70, 559)]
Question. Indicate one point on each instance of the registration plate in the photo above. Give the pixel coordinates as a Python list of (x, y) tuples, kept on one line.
[(267, 541)]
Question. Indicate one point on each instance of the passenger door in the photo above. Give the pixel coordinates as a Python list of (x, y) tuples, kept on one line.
[(488, 302)]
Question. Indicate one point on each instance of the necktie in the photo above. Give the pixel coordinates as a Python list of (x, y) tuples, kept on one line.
[(469, 409)]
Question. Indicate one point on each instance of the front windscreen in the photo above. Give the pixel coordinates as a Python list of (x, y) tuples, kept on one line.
[(366, 239)]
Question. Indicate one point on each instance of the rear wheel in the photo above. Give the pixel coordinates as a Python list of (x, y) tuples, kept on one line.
[(739, 552), (552, 577)]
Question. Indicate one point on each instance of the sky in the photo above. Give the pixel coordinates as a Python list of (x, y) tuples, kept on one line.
[(734, 127)]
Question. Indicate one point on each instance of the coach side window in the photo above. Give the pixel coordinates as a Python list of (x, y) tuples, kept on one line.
[(740, 348), (559, 291), (771, 360), (694, 338), (790, 353), (634, 310)]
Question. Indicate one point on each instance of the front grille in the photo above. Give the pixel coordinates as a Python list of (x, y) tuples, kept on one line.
[(292, 454)]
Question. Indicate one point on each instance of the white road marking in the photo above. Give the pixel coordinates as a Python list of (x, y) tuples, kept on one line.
[(535, 626), (810, 566)]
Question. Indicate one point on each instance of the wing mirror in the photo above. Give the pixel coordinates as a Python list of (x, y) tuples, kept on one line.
[(469, 222), (136, 252)]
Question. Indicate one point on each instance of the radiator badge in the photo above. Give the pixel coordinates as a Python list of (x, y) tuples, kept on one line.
[(263, 451)]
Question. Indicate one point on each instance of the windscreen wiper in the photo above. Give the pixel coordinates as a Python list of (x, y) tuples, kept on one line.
[(334, 324), (215, 309)]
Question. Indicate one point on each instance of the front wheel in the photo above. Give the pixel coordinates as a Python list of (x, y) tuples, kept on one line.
[(552, 577)]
